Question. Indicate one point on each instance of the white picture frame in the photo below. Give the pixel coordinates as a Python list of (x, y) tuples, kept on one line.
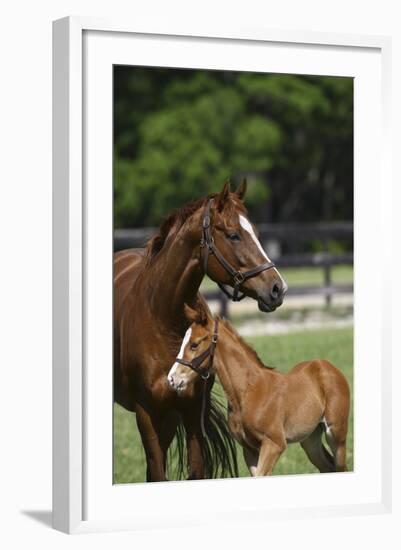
[(83, 49)]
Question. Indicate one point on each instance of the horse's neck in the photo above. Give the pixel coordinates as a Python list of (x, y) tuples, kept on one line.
[(175, 277), (236, 365)]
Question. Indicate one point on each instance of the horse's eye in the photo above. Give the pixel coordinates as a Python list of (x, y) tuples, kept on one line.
[(194, 345), (233, 237)]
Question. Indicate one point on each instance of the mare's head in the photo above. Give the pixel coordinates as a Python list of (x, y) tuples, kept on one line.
[(236, 241), (197, 341)]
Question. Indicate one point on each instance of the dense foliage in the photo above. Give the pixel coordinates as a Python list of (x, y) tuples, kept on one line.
[(178, 134)]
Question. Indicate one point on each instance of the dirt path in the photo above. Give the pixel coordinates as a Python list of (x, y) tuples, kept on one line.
[(258, 328), (297, 314)]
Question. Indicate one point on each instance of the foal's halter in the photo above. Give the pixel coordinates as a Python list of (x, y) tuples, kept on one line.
[(197, 361), (207, 243)]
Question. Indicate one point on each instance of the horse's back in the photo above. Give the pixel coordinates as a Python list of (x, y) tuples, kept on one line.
[(318, 368), (327, 380)]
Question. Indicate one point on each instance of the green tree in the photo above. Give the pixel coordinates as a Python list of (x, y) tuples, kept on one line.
[(178, 134)]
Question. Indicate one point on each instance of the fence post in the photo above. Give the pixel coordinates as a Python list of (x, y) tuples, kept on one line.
[(327, 273), (223, 306)]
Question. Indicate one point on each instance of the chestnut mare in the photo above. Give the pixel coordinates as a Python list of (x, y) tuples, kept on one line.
[(267, 409), (151, 286)]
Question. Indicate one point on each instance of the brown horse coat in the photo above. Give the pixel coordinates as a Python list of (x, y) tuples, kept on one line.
[(150, 290), (269, 409)]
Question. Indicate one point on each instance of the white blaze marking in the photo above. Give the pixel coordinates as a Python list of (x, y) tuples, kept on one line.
[(181, 352), (184, 343), (248, 227)]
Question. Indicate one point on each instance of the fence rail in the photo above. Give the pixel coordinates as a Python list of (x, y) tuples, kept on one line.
[(132, 238), (279, 234)]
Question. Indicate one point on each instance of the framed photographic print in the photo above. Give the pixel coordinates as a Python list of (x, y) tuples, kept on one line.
[(213, 298)]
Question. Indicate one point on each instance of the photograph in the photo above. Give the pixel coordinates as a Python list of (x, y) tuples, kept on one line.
[(233, 211), (201, 237)]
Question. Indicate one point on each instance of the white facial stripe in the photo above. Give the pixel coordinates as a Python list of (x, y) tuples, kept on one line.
[(181, 352), (184, 343), (248, 227)]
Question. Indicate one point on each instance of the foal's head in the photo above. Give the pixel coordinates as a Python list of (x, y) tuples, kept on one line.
[(235, 239), (197, 341)]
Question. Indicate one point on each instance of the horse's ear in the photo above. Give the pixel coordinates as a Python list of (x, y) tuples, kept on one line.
[(190, 314), (202, 317), (223, 196), (241, 189), (197, 316)]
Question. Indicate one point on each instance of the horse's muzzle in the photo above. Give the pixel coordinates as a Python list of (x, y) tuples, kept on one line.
[(273, 298)]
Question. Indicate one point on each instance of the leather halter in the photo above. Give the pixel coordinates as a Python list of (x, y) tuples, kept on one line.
[(197, 361), (239, 277)]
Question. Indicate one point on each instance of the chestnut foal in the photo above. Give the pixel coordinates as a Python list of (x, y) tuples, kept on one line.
[(267, 409)]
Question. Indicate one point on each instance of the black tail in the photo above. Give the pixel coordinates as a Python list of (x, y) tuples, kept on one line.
[(219, 450), (218, 447), (176, 459)]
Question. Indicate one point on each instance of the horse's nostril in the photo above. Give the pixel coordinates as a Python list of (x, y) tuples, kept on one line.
[(275, 291)]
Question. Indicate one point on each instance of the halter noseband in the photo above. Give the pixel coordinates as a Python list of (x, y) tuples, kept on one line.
[(207, 242), (197, 361)]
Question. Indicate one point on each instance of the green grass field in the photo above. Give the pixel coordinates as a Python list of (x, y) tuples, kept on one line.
[(283, 352)]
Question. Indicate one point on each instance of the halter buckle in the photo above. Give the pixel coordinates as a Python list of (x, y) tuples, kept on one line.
[(206, 222), (205, 376), (239, 278)]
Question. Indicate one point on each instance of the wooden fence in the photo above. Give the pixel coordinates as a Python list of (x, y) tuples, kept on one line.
[(276, 238)]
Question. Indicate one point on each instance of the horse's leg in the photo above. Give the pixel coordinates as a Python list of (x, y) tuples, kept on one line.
[(269, 453), (150, 429), (336, 438), (168, 432), (336, 416), (191, 419), (251, 458), (340, 453), (316, 451)]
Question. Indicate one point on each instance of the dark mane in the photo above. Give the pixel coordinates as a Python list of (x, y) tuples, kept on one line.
[(176, 220), (230, 327)]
